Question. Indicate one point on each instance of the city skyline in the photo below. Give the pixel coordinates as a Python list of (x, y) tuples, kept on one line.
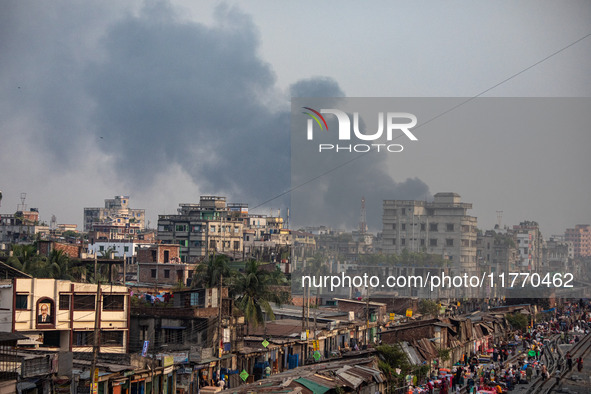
[(167, 101)]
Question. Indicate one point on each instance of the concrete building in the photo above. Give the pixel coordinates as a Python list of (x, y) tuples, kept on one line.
[(160, 264), (557, 255), (530, 243), (59, 315), (440, 227), (497, 251), (204, 228), (115, 213), (21, 227), (580, 236)]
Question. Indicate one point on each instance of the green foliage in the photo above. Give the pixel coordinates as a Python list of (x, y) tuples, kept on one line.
[(70, 234), (443, 354), (428, 307), (208, 274), (517, 320), (256, 289)]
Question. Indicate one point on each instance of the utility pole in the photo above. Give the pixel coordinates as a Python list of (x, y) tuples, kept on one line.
[(220, 340), (125, 267), (367, 319), (304, 324), (95, 348)]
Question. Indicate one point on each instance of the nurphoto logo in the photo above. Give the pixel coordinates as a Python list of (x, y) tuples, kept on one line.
[(395, 122)]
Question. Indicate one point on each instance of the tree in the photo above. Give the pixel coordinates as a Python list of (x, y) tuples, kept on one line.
[(59, 265), (208, 274), (428, 307), (256, 289), (517, 320)]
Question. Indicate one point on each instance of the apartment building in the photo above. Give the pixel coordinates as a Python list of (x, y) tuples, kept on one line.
[(60, 315), (529, 243), (580, 236), (115, 217), (441, 227), (203, 228)]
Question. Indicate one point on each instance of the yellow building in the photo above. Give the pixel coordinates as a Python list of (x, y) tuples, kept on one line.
[(60, 315)]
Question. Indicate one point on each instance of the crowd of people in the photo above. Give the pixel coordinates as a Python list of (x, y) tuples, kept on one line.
[(489, 370)]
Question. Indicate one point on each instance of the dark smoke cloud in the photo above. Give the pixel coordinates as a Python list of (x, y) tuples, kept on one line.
[(153, 92)]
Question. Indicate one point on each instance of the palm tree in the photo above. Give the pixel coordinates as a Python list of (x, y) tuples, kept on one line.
[(59, 265), (208, 274), (257, 288)]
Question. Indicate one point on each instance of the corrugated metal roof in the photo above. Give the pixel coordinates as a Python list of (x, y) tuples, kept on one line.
[(351, 380), (316, 388), (411, 353)]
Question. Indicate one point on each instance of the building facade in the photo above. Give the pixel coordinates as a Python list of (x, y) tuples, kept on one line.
[(580, 236), (115, 213), (204, 228), (59, 315), (440, 227)]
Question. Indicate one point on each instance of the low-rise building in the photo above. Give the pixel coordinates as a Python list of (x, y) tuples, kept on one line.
[(59, 315)]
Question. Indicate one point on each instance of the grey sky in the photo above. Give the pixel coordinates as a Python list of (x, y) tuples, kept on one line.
[(168, 101)]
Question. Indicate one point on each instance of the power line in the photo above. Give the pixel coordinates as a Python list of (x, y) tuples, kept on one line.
[(426, 122)]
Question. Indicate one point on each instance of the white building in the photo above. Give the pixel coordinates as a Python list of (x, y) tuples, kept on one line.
[(440, 227)]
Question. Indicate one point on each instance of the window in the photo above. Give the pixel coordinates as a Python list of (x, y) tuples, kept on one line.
[(166, 256), (153, 273), (423, 227), (212, 229), (143, 333), (84, 338), (403, 226), (112, 338), (393, 226), (22, 301), (449, 242), (236, 245), (194, 299), (84, 302), (450, 227), (173, 335), (394, 241), (422, 241), (403, 211), (167, 274), (402, 241), (101, 248), (433, 242), (181, 227), (433, 227), (65, 301), (212, 244), (113, 302), (126, 249)]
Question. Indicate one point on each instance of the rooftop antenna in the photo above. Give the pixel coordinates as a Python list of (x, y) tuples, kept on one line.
[(22, 206), (499, 218), (363, 218)]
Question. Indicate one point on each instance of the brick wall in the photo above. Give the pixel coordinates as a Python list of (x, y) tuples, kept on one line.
[(70, 250)]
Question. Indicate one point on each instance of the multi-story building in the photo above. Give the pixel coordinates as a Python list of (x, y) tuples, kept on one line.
[(580, 236), (497, 250), (204, 228), (557, 254), (160, 264), (21, 227), (116, 214), (60, 315), (441, 227), (529, 243)]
